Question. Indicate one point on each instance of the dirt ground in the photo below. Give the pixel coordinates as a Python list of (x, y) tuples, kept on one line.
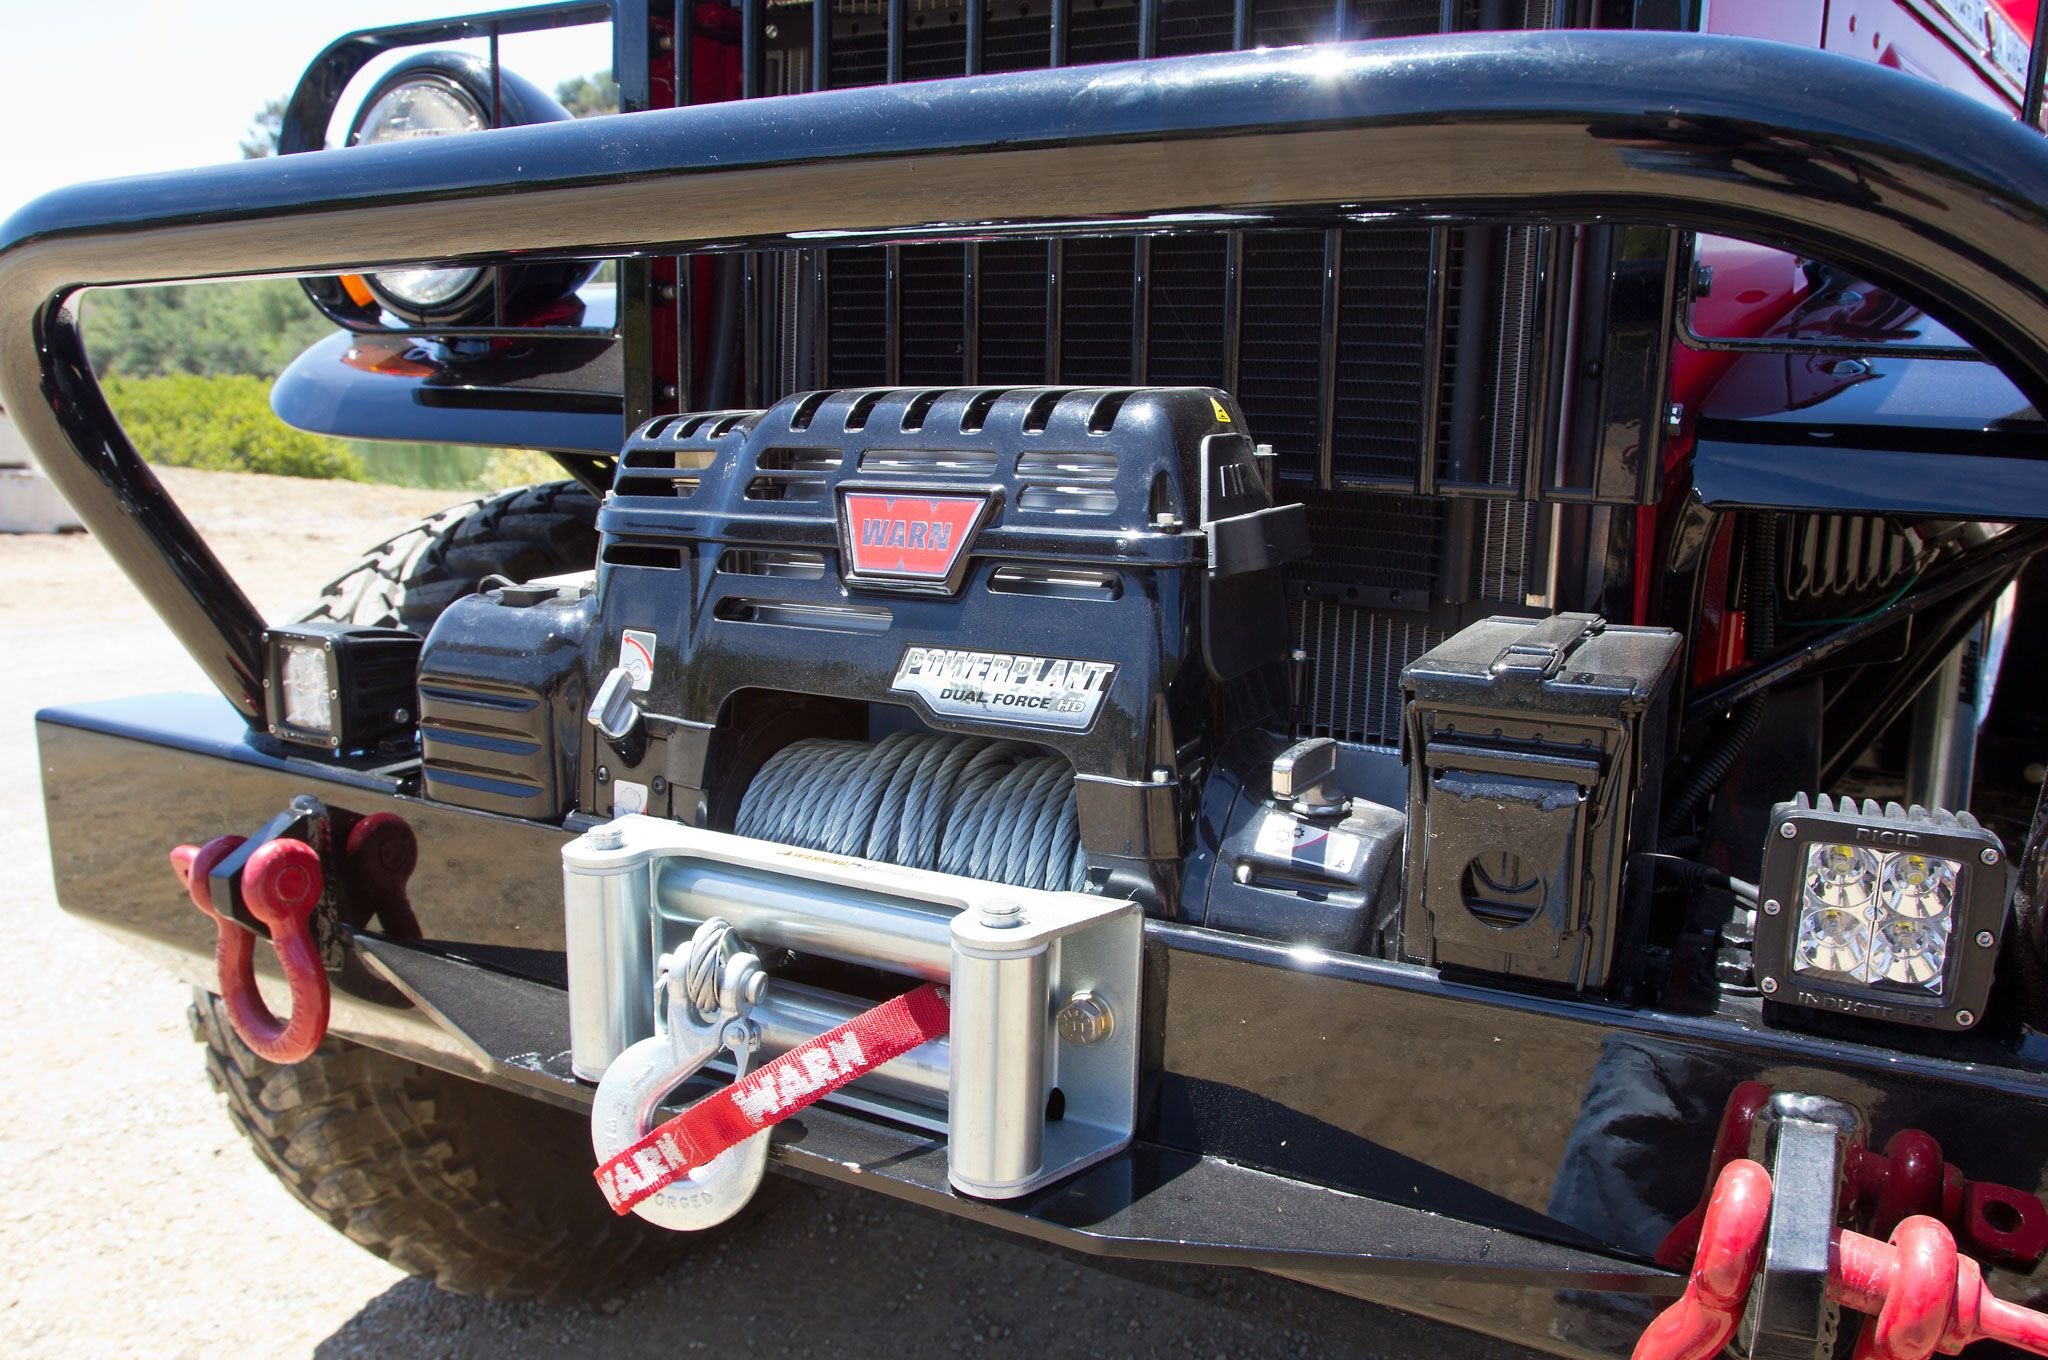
[(133, 1221)]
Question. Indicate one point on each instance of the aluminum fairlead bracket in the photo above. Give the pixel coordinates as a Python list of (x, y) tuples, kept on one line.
[(703, 1002)]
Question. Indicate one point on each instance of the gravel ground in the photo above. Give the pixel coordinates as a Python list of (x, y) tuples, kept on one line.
[(134, 1221)]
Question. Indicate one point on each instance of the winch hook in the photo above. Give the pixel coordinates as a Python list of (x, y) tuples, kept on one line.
[(705, 998), (281, 885)]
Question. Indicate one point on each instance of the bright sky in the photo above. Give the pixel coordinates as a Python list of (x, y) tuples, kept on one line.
[(93, 89)]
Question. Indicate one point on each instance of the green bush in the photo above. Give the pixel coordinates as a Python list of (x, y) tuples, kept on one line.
[(249, 327), (222, 423)]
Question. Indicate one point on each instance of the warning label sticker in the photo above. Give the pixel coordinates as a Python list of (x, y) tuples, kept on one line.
[(1308, 846), (636, 656), (1005, 687)]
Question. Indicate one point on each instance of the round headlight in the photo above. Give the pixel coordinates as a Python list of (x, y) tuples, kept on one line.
[(425, 106), (443, 94)]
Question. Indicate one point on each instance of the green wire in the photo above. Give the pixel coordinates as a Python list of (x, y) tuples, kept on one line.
[(1897, 595)]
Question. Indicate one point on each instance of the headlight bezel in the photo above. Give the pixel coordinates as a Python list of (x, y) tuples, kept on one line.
[(529, 294), (476, 283), (1887, 835)]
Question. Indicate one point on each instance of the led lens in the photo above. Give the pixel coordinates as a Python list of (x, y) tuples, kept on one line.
[(1874, 916), (1912, 952), (426, 108), (1920, 885), (1834, 940), (1841, 875), (308, 693)]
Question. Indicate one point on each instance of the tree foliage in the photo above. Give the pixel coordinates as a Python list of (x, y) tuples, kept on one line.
[(221, 424), (587, 95), (264, 130), (255, 328)]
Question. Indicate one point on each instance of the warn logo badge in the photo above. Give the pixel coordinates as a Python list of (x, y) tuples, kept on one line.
[(908, 539)]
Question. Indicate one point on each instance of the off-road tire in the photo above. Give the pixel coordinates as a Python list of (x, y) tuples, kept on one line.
[(479, 1191), (407, 580)]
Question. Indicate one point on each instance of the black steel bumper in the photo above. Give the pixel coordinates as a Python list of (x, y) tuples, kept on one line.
[(1376, 1130)]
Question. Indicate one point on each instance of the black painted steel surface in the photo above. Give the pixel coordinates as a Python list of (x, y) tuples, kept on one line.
[(1941, 198), (1575, 1124)]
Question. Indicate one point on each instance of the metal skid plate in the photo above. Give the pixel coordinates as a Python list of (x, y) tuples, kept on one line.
[(1024, 1099)]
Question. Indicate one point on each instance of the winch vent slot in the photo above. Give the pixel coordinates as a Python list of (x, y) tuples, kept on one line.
[(838, 618), (648, 469), (976, 414), (1039, 414), (798, 460), (656, 482), (807, 410), (662, 556), (920, 406), (863, 406), (1103, 417), (1067, 483), (790, 562), (787, 487), (930, 462), (1089, 465), (1047, 581)]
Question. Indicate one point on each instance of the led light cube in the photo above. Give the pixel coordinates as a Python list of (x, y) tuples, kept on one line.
[(341, 687), (1887, 912)]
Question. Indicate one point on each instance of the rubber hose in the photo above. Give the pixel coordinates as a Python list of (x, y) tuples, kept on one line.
[(993, 810)]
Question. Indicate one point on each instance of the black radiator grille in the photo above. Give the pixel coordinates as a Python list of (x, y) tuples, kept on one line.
[(1353, 688), (1186, 275), (1340, 345)]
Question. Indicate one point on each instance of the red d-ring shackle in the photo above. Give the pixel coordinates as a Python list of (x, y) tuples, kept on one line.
[(1922, 1296), (282, 883)]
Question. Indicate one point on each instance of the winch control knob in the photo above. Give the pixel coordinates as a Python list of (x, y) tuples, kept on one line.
[(612, 710), (1305, 776)]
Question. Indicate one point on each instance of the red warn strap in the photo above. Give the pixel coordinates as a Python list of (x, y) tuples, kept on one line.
[(772, 1093)]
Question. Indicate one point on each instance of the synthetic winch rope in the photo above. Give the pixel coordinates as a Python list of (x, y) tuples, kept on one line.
[(992, 810), (772, 1093)]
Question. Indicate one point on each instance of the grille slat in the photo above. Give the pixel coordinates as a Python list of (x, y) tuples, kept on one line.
[(1244, 311)]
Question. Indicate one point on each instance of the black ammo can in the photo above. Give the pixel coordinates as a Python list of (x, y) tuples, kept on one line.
[(1533, 747)]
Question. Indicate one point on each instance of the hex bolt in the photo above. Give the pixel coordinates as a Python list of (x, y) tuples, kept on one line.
[(1770, 986), (1966, 1018), (606, 837), (1787, 830), (1772, 906), (1085, 1019), (1986, 939), (1002, 913), (1988, 855)]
